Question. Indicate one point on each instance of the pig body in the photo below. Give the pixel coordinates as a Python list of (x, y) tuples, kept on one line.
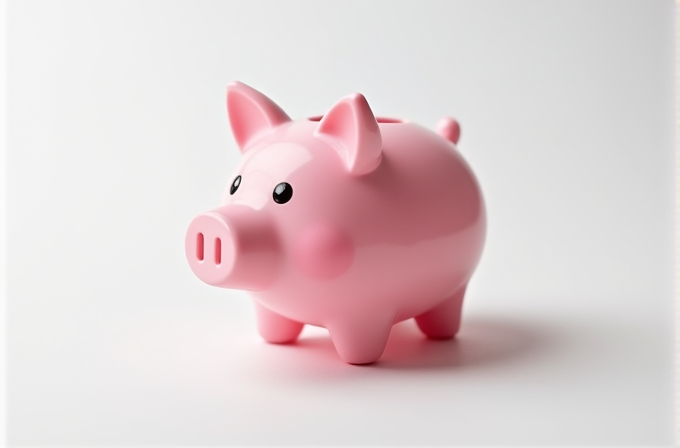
[(344, 221)]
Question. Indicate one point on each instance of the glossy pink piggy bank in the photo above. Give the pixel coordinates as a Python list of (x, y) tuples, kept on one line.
[(342, 221)]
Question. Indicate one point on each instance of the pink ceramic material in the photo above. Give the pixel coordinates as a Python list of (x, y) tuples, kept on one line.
[(342, 221)]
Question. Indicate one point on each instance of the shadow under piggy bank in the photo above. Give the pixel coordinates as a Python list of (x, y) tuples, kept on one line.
[(481, 341)]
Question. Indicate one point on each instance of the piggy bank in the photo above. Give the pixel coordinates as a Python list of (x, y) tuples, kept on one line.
[(344, 221)]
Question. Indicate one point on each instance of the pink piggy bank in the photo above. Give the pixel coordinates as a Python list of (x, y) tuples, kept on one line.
[(344, 221)]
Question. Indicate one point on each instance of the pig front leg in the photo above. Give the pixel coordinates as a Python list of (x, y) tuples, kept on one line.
[(275, 328), (361, 339), (443, 321)]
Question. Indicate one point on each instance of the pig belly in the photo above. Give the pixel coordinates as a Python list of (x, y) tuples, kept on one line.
[(385, 280)]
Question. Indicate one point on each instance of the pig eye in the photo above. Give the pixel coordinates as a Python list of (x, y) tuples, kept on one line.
[(282, 193), (235, 185)]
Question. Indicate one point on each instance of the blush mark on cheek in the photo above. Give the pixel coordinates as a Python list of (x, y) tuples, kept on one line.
[(323, 252)]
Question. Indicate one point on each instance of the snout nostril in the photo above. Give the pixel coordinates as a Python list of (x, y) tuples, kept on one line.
[(199, 247), (218, 251)]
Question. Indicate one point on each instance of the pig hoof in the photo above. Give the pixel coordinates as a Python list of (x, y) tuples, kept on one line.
[(360, 357), (360, 363), (361, 341), (281, 340), (443, 321), (275, 328), (282, 334)]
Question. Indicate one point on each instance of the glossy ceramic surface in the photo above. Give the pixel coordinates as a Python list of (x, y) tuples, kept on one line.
[(342, 221)]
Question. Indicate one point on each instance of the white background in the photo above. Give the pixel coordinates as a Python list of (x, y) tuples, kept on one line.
[(117, 137)]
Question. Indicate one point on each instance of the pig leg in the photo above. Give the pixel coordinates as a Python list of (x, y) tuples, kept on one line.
[(443, 321), (362, 339), (275, 328)]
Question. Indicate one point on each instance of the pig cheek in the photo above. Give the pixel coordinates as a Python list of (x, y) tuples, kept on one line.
[(323, 252)]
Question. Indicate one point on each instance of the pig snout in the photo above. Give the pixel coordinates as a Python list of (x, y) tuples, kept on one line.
[(232, 247)]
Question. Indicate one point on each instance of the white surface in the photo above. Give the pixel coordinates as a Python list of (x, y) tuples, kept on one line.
[(3, 221), (118, 136)]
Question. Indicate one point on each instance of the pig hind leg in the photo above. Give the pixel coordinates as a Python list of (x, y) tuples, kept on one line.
[(443, 321), (275, 328)]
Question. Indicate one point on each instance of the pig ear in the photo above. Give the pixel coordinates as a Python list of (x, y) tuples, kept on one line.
[(250, 113), (351, 123)]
